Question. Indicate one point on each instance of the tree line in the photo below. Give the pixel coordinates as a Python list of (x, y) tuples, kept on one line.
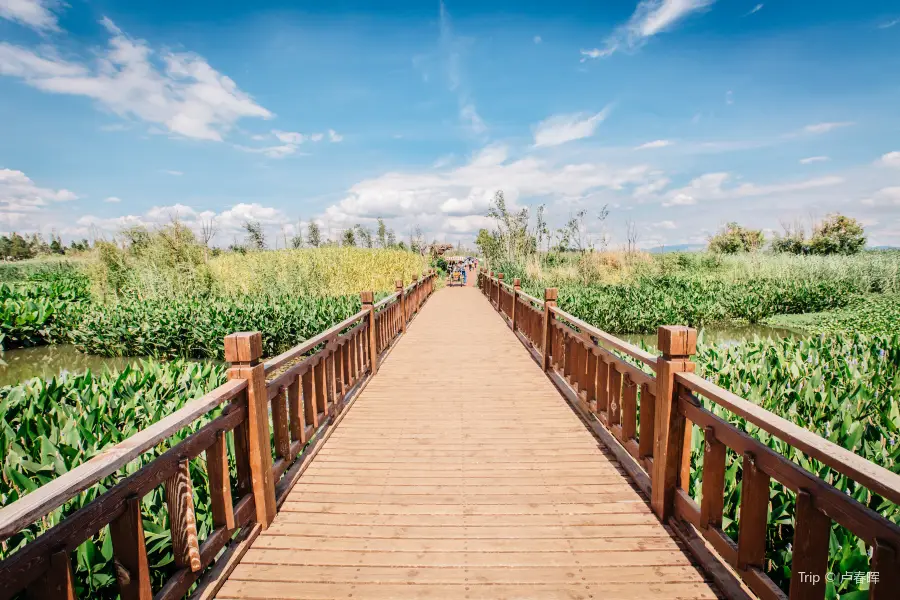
[(835, 234)]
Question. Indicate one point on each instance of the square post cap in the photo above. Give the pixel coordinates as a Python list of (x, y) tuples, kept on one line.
[(550, 294), (244, 347), (676, 341), (367, 297)]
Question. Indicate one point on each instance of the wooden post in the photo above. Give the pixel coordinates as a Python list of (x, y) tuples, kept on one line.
[(677, 344), (550, 295), (499, 291), (517, 285), (243, 350), (368, 301), (402, 300)]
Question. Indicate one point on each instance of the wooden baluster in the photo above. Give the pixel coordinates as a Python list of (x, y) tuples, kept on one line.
[(629, 408), (330, 385), (712, 497), (295, 412), (130, 552), (591, 390), (547, 336), (309, 397), (351, 359), (401, 300), (182, 520), (241, 435), (517, 285), (602, 386), (754, 515), (686, 450), (321, 398), (615, 396), (677, 344), (499, 291), (220, 501), (886, 565), (812, 533), (243, 351), (345, 365), (57, 582), (339, 388), (281, 431), (648, 421)]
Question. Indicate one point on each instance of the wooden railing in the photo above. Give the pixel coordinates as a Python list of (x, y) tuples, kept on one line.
[(303, 390), (643, 407)]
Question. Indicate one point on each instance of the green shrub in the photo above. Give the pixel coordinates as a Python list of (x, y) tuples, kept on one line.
[(734, 238)]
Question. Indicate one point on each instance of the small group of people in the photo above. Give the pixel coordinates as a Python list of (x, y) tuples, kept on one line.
[(459, 268)]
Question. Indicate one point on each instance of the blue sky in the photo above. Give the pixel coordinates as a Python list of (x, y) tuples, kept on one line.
[(680, 115)]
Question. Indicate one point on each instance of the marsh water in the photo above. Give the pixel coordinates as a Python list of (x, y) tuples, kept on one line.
[(21, 364), (719, 335)]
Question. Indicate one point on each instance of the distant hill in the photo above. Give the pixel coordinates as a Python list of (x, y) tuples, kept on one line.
[(676, 248)]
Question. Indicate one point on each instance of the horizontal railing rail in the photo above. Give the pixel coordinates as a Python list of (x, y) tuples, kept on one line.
[(644, 407), (308, 388)]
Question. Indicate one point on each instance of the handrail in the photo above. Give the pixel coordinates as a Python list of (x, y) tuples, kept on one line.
[(648, 422), (301, 349), (875, 477), (529, 297), (621, 345), (303, 404), (57, 492)]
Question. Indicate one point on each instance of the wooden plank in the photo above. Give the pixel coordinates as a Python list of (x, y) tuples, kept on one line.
[(812, 532), (648, 421), (130, 553), (296, 416), (182, 520), (57, 582), (629, 408), (754, 515), (220, 483), (712, 499), (430, 480), (280, 425)]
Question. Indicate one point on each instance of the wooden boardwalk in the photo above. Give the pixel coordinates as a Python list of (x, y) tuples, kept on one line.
[(460, 472)]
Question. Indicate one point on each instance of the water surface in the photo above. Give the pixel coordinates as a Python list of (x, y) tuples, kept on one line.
[(49, 361), (727, 335)]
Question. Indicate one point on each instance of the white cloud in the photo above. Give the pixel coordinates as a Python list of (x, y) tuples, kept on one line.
[(229, 223), (31, 13), (560, 129), (454, 200), (289, 137), (813, 159), (176, 90), (113, 200), (826, 127), (891, 159), (654, 144), (729, 97), (23, 203), (888, 24), (470, 117), (537, 39), (649, 18), (596, 53), (889, 196), (316, 137), (173, 173), (334, 136), (711, 186), (665, 225), (755, 9)]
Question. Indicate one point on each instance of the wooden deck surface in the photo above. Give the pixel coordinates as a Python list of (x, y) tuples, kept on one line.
[(461, 473)]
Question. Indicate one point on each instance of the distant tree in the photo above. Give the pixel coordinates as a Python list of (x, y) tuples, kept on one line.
[(297, 239), (792, 242), (488, 243), (734, 238), (313, 234), (417, 240), (401, 245), (256, 237), (837, 234), (349, 239), (381, 234), (56, 246), (363, 235)]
